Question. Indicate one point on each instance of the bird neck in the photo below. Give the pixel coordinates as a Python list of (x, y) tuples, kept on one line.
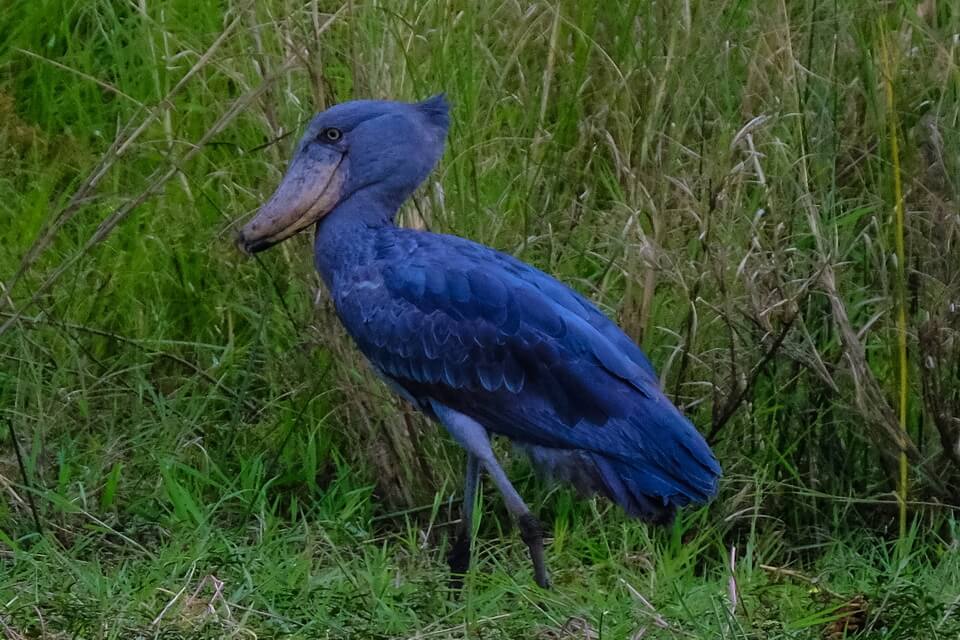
[(345, 236)]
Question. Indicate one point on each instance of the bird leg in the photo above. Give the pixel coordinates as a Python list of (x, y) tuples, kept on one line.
[(531, 531), (471, 435), (459, 556)]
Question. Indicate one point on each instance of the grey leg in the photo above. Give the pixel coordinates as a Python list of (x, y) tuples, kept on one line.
[(459, 556), (470, 486), (473, 437)]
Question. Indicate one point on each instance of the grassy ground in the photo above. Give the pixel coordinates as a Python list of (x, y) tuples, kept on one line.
[(206, 455)]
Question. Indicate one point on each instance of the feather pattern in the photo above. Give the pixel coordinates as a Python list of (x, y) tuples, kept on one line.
[(445, 319)]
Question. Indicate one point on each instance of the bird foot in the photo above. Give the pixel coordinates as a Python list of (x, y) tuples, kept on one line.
[(459, 561), (531, 532)]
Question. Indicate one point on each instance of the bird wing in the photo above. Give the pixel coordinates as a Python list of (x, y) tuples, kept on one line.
[(451, 321)]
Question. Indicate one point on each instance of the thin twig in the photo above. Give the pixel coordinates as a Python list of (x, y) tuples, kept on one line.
[(26, 478), (137, 344), (790, 573), (156, 183), (86, 76), (122, 141), (733, 403)]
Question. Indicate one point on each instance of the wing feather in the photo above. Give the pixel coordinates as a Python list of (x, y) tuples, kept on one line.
[(480, 332)]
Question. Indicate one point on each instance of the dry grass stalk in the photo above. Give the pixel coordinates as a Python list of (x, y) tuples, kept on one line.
[(868, 395), (127, 135), (901, 288), (156, 183)]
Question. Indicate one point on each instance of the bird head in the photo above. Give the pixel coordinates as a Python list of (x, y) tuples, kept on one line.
[(380, 147)]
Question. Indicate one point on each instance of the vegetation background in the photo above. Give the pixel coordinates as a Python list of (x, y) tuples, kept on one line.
[(205, 454)]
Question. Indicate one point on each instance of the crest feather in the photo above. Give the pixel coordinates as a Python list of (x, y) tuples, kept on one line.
[(437, 111)]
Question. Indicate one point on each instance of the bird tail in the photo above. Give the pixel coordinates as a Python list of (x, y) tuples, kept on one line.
[(628, 488), (674, 470), (594, 474), (648, 487)]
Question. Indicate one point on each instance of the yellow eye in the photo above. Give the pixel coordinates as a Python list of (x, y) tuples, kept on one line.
[(331, 134)]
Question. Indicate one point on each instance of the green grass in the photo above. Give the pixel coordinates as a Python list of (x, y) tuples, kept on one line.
[(209, 457)]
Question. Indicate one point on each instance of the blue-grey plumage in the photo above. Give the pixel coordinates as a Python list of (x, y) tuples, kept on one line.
[(475, 338)]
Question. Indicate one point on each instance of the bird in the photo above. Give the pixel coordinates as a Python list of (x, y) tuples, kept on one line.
[(476, 339)]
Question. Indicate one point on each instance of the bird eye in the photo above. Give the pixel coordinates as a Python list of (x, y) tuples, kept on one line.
[(331, 134)]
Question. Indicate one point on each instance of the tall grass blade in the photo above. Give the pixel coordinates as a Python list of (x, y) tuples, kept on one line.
[(901, 285)]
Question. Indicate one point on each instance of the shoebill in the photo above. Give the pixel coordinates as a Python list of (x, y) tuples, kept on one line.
[(476, 339)]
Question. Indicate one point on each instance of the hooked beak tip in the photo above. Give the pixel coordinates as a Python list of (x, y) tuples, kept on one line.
[(308, 191), (241, 243), (250, 247)]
